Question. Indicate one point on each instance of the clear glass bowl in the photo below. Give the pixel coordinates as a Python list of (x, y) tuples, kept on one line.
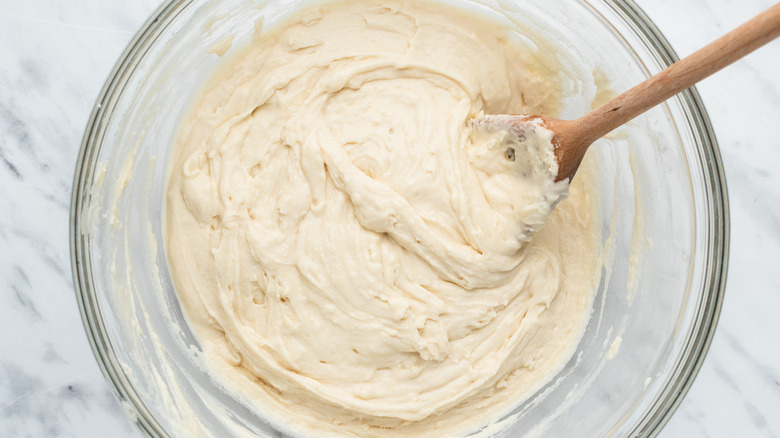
[(664, 207)]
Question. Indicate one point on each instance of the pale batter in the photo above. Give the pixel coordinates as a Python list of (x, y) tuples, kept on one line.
[(354, 261)]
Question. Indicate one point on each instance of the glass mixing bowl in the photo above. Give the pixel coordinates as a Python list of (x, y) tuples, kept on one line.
[(663, 199)]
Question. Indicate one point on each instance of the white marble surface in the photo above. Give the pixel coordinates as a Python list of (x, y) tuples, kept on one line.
[(54, 58)]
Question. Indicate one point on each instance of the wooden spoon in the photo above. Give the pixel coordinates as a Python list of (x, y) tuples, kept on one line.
[(573, 137)]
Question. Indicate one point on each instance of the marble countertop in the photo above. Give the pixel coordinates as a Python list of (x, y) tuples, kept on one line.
[(54, 58)]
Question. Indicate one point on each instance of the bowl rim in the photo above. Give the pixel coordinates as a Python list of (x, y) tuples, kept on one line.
[(718, 225)]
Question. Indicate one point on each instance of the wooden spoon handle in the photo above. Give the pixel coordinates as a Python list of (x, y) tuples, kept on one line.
[(679, 76)]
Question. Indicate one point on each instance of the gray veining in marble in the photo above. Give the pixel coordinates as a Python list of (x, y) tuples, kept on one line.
[(54, 58)]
